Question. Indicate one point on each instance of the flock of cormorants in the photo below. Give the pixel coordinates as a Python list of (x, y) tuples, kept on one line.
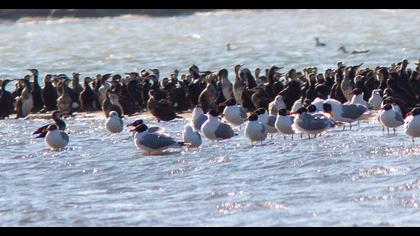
[(307, 91)]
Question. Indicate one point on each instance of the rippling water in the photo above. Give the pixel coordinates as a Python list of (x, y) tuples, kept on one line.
[(344, 178)]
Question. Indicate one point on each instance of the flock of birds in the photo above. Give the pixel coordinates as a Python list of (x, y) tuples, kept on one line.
[(298, 102)]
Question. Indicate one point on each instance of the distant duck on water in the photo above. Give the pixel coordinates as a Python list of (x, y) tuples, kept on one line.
[(318, 43)]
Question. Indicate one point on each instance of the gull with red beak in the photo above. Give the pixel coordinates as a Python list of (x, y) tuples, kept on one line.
[(255, 130), (213, 129), (267, 120), (284, 123), (310, 124), (234, 114), (153, 143), (153, 129), (347, 113)]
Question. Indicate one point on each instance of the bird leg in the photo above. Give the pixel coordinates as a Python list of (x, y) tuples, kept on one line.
[(301, 136), (292, 136), (350, 126), (387, 129), (394, 130), (284, 137), (309, 136)]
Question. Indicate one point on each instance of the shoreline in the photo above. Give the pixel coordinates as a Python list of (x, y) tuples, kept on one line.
[(369, 116), (97, 114), (16, 14)]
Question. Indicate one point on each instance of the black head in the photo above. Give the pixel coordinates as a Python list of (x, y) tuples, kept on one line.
[(260, 111), (327, 107), (140, 128), (214, 113), (253, 117), (387, 107), (105, 77), (175, 72), (136, 123), (56, 115), (312, 108), (283, 112), (116, 77), (222, 73), (301, 110), (194, 70), (33, 71)]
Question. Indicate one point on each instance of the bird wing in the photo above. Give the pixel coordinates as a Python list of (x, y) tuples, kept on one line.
[(156, 141), (242, 111), (271, 120), (263, 129), (311, 123), (292, 119), (199, 121), (224, 131), (38, 131), (399, 117), (154, 129), (353, 111), (64, 136)]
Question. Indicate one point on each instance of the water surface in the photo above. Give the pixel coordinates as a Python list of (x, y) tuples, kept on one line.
[(344, 178)]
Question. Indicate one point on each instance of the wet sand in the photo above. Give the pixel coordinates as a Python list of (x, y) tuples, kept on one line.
[(370, 116), (98, 114)]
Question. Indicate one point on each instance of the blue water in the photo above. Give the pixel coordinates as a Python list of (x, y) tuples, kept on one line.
[(343, 178)]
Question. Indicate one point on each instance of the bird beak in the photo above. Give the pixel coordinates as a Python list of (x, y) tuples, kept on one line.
[(293, 113), (350, 93)]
